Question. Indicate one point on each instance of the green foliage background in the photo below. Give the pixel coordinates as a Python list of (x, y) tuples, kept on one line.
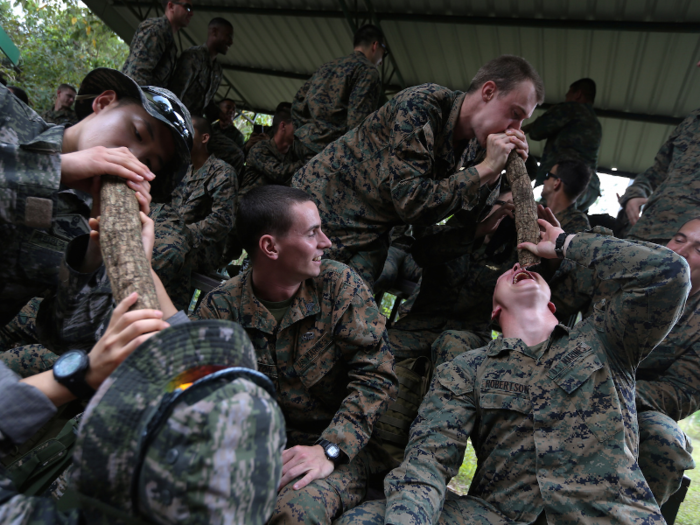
[(59, 42)]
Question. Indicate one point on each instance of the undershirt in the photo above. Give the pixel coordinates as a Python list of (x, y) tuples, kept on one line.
[(278, 309)]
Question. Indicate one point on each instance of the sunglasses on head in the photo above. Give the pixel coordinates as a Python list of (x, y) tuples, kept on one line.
[(168, 112), (187, 7)]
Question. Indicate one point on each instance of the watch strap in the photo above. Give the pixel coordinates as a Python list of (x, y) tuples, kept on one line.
[(76, 383), (325, 444), (559, 245)]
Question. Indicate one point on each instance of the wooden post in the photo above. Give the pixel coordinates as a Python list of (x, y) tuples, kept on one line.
[(525, 208), (122, 249)]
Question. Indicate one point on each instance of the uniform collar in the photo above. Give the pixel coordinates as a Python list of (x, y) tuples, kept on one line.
[(255, 315), (503, 344)]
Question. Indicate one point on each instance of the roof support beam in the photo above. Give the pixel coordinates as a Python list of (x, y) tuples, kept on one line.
[(543, 23), (627, 115)]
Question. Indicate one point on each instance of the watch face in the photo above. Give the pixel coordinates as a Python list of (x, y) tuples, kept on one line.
[(333, 451), (68, 364)]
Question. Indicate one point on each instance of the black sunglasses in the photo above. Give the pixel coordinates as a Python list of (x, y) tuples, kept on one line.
[(386, 50), (188, 7), (550, 174), (166, 110)]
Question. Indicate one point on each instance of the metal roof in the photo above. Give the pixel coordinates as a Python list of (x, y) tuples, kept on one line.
[(641, 54)]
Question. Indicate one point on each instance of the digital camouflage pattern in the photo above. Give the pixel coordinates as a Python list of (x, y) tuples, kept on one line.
[(226, 149), (556, 421), (573, 132), (573, 220), (213, 451), (152, 54), (671, 184), (265, 164), (62, 116), (398, 167), (28, 360), (21, 330), (665, 453), (196, 79), (336, 99), (206, 200)]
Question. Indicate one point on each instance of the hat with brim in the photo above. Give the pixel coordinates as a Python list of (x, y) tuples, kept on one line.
[(142, 401), (158, 102)]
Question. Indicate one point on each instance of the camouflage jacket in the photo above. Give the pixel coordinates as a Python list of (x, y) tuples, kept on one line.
[(267, 165), (554, 426), (573, 132), (231, 131), (61, 116), (672, 185), (152, 54), (196, 79), (573, 220), (336, 99), (328, 358), (224, 147), (206, 200), (398, 166)]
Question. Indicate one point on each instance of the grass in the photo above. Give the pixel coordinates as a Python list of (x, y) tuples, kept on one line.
[(688, 514)]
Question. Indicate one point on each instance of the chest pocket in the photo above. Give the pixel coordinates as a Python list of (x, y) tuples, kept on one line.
[(588, 384), (316, 362), (505, 401)]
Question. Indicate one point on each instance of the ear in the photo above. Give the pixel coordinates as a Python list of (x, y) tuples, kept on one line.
[(496, 313), (557, 184), (551, 307), (488, 90), (205, 138), (268, 247), (102, 101)]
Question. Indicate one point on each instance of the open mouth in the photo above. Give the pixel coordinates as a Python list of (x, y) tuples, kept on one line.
[(317, 259), (521, 276)]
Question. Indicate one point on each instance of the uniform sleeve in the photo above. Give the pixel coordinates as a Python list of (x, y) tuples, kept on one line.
[(549, 123), (147, 48), (261, 162), (360, 335), (415, 491), (676, 391), (645, 183), (186, 71), (216, 305), (222, 190), (364, 96), (654, 284)]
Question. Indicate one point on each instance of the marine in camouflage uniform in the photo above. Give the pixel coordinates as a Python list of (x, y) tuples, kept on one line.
[(672, 185), (196, 79), (573, 132), (213, 452), (333, 372), (61, 116), (267, 165), (336, 99), (206, 201), (225, 148), (152, 54), (362, 191), (553, 425)]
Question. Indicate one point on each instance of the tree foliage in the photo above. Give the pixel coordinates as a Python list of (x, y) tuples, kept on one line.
[(60, 41)]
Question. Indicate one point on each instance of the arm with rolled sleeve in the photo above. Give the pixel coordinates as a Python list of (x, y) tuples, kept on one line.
[(654, 284), (360, 335), (415, 491)]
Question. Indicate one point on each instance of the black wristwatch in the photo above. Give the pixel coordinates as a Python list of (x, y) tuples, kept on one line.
[(331, 449), (559, 245), (70, 369)]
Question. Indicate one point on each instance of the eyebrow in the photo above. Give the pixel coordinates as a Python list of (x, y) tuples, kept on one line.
[(313, 227)]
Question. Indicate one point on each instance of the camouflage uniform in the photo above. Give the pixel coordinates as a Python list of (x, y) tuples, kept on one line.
[(267, 165), (196, 79), (333, 371), (22, 329), (65, 116), (152, 54), (230, 131), (573, 132), (206, 201), (554, 425), (399, 166), (672, 185), (336, 99), (212, 452), (227, 150)]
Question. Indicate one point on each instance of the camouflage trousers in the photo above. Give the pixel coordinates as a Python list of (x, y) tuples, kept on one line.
[(21, 330), (464, 510), (433, 341), (664, 454), (28, 360), (398, 265), (454, 342), (369, 264)]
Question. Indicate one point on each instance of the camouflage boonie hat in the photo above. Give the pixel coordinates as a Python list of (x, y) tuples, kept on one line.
[(160, 103), (185, 430)]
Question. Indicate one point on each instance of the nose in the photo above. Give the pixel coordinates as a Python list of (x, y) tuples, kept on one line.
[(516, 267), (324, 241)]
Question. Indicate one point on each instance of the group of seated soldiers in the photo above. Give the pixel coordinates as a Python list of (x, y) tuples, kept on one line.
[(284, 397)]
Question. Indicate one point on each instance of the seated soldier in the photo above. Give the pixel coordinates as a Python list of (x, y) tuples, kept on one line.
[(550, 410), (319, 336), (273, 161), (206, 200), (226, 141), (418, 160)]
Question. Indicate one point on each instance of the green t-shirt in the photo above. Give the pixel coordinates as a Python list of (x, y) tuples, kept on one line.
[(278, 309)]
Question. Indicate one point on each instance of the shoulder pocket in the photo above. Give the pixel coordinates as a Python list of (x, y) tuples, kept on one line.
[(455, 378)]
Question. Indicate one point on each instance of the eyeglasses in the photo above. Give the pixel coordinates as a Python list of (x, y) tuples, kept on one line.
[(386, 50), (166, 110), (550, 174), (187, 7)]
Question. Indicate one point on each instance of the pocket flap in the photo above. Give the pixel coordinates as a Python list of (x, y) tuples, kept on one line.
[(575, 373), (498, 401)]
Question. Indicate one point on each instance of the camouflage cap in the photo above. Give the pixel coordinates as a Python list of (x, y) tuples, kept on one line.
[(160, 103), (152, 447)]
